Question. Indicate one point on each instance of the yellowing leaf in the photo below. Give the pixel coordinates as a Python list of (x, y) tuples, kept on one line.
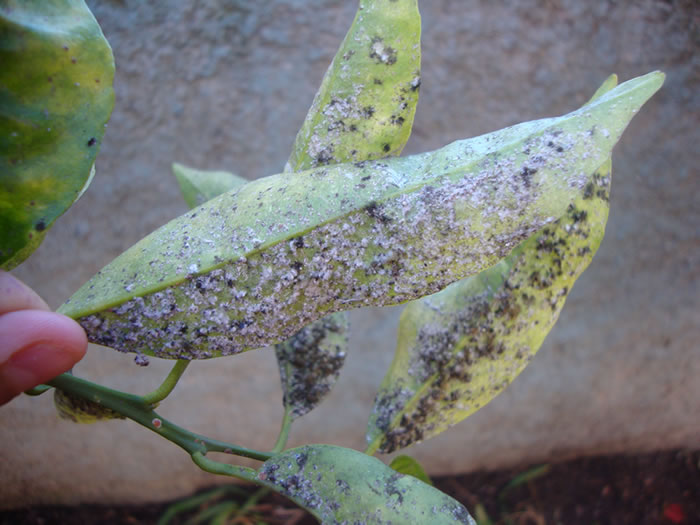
[(255, 265), (363, 110), (56, 71), (365, 106), (461, 347)]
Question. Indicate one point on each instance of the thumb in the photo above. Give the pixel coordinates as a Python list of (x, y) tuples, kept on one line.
[(36, 346)]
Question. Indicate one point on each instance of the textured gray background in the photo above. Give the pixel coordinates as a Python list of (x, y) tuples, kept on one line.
[(225, 84)]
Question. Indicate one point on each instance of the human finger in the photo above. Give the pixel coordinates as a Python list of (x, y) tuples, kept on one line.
[(36, 346), (15, 295)]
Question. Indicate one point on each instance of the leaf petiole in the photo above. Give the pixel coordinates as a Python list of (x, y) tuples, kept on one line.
[(164, 390), (284, 431)]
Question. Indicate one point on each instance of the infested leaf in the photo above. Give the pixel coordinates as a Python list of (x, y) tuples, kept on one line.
[(198, 186), (461, 347), (365, 106), (55, 99), (310, 362), (363, 110), (340, 485), (255, 265), (80, 410), (408, 465)]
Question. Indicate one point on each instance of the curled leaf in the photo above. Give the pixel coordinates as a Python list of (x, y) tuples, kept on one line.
[(255, 265), (340, 485), (198, 186), (55, 98), (461, 347), (363, 110)]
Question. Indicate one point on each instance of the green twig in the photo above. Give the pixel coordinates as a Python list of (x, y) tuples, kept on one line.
[(134, 408), (284, 431), (163, 391), (223, 469)]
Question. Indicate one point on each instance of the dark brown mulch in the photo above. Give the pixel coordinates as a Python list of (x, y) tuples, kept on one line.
[(661, 488)]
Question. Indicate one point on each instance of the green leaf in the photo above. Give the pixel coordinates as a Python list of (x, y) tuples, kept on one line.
[(363, 110), (255, 265), (340, 485), (55, 99), (198, 186), (460, 348), (365, 106), (409, 466)]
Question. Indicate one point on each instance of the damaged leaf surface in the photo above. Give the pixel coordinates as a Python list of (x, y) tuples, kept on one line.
[(459, 348), (365, 106), (310, 362), (363, 110), (340, 485), (253, 266)]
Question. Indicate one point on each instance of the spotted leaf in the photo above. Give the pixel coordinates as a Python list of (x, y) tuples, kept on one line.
[(253, 266), (340, 485), (55, 99), (363, 110), (461, 347), (365, 106)]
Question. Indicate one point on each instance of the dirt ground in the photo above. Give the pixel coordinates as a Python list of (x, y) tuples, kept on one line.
[(658, 488)]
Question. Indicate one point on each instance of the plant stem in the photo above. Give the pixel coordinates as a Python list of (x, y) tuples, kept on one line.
[(284, 432), (163, 391), (37, 390), (224, 469), (134, 408)]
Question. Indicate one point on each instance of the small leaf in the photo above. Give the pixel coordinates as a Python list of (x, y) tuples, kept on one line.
[(80, 410), (409, 466), (199, 186), (255, 265), (351, 119), (340, 485), (55, 99), (310, 362), (460, 348), (365, 106)]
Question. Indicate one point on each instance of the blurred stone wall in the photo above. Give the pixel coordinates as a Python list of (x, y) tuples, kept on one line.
[(225, 84)]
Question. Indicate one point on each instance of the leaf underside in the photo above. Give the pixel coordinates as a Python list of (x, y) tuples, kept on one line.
[(340, 485), (55, 99), (255, 265), (363, 110), (459, 348)]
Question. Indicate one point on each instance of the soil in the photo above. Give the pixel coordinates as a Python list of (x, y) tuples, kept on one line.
[(658, 488)]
